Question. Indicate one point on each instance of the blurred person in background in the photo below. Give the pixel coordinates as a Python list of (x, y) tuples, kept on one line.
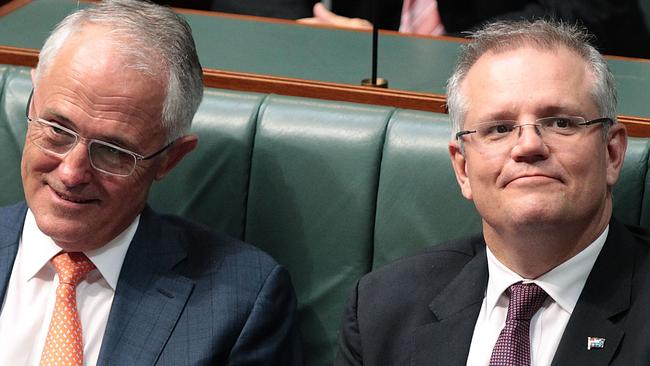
[(618, 25), (285, 9)]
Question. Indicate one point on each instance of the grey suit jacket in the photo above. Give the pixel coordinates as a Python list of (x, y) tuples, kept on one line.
[(187, 296), (422, 310)]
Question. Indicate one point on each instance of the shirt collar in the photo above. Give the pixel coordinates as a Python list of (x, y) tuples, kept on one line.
[(563, 283), (37, 249)]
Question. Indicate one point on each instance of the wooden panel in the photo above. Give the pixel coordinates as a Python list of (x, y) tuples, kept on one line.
[(324, 90), (12, 5), (18, 56)]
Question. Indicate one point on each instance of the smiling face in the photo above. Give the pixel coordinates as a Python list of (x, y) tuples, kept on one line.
[(87, 89), (533, 184)]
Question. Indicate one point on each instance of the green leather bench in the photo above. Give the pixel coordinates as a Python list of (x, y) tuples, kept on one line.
[(331, 190)]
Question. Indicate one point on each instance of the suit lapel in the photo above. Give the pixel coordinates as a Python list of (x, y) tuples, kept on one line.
[(149, 297), (456, 309), (13, 218), (605, 296)]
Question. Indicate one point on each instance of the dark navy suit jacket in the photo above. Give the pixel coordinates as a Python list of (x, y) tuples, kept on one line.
[(187, 296), (422, 310)]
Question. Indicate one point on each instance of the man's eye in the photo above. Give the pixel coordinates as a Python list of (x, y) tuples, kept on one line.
[(55, 131), (58, 131), (107, 150), (562, 123), (112, 151), (498, 129)]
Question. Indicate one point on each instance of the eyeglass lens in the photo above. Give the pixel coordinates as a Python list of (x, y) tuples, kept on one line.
[(551, 129), (102, 156)]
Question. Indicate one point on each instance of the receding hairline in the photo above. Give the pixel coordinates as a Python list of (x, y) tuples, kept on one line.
[(156, 67), (522, 42), (513, 47)]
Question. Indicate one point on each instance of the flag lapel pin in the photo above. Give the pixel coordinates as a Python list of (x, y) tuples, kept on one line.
[(595, 343)]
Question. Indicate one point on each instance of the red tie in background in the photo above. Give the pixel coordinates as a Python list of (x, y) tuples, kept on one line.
[(64, 343), (513, 345), (421, 17)]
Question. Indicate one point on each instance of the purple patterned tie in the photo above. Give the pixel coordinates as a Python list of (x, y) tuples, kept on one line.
[(513, 345)]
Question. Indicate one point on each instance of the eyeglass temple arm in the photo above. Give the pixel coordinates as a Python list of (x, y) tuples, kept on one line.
[(598, 120), (158, 152), (463, 133), (29, 102)]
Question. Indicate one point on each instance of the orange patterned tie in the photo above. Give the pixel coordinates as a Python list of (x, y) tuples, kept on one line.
[(64, 343)]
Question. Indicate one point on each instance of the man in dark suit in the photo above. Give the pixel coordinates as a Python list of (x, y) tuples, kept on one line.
[(88, 273), (284, 9), (618, 25), (554, 278)]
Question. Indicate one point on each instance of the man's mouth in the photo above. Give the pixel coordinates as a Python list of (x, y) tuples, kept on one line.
[(530, 177), (534, 178), (71, 198)]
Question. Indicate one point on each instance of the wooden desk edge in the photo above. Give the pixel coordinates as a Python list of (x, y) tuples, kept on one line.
[(12, 5), (636, 126)]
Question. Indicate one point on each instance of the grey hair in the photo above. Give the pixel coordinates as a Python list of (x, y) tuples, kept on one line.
[(155, 41), (542, 34)]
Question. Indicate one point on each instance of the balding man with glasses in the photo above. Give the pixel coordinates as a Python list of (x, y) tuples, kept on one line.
[(89, 274), (553, 279)]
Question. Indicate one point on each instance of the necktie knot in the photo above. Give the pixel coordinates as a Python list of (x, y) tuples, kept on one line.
[(525, 300), (72, 267)]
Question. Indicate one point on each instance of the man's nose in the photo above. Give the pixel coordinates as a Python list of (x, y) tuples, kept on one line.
[(530, 145), (75, 167)]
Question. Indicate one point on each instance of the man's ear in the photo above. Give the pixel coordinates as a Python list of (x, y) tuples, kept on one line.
[(459, 163), (181, 147), (616, 147)]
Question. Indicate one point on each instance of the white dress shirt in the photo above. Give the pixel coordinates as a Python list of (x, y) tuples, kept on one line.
[(29, 300), (563, 284)]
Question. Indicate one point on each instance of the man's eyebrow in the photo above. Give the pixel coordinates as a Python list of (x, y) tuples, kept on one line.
[(545, 111), (559, 109), (59, 118), (497, 116)]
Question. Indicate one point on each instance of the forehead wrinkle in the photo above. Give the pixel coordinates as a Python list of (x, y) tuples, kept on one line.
[(72, 88), (105, 107), (540, 111), (102, 112)]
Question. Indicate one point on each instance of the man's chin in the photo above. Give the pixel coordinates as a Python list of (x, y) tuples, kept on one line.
[(538, 217), (68, 233)]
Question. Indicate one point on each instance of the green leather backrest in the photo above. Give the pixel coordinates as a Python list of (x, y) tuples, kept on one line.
[(16, 85), (311, 203), (645, 212), (418, 202), (210, 185), (331, 190), (628, 196)]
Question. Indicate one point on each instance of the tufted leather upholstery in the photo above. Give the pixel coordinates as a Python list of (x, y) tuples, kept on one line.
[(331, 190)]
